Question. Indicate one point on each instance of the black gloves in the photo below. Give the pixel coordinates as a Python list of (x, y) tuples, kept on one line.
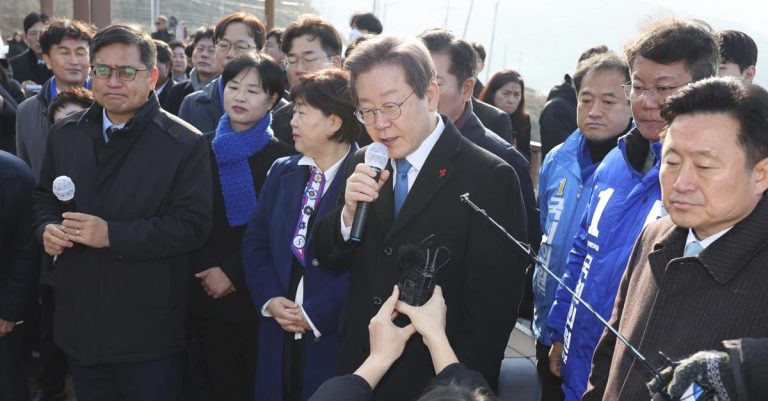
[(711, 370)]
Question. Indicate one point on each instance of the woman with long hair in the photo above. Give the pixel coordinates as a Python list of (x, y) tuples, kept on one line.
[(299, 298), (506, 90), (242, 150)]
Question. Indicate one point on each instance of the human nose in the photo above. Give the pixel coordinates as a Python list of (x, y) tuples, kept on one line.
[(685, 180), (379, 120)]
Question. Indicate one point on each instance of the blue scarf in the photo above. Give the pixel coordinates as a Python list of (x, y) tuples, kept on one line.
[(232, 150)]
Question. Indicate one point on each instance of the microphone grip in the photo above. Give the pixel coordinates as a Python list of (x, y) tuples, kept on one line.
[(68, 206), (361, 216)]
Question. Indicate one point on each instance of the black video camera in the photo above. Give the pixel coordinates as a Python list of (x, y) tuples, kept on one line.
[(420, 265)]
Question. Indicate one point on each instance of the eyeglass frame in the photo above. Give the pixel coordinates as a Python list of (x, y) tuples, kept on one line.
[(360, 113), (116, 72), (629, 90), (234, 46), (287, 62)]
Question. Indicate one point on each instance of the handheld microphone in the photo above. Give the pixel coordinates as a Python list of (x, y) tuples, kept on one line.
[(696, 391), (376, 157), (64, 190)]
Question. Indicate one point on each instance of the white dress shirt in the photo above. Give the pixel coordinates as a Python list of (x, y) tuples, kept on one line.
[(706, 241)]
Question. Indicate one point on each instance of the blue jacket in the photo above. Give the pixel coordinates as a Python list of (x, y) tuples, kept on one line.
[(566, 171), (267, 258), (622, 202)]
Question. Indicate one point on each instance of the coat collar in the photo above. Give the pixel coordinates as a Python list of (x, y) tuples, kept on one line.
[(436, 171), (724, 258)]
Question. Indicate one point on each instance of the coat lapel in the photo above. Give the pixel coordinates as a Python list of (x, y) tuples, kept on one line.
[(437, 170)]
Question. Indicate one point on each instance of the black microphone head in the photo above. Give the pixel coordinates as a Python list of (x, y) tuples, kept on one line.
[(63, 188), (377, 155)]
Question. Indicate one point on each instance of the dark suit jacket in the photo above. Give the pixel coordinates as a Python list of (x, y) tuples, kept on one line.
[(680, 305), (494, 119), (268, 260), (203, 108), (19, 252), (25, 68), (482, 282), (173, 97)]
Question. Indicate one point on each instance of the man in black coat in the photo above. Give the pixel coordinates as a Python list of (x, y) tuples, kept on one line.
[(454, 60), (494, 119), (558, 118), (19, 261), (28, 67), (143, 201), (310, 44), (394, 84)]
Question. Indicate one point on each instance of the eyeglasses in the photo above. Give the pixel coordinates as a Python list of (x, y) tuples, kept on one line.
[(124, 72), (659, 93), (390, 111), (306, 61), (240, 47)]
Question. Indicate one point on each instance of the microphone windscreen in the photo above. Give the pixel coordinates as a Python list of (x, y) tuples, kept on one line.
[(64, 188), (377, 155)]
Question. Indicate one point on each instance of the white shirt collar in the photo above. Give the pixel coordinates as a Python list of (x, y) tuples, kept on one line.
[(419, 156), (706, 241), (159, 90), (330, 173)]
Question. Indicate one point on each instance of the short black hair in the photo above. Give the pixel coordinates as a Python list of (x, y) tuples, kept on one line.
[(317, 28), (204, 32), (367, 21), (463, 57), (77, 95), (328, 91), (737, 47), (32, 19), (674, 40), (254, 24), (164, 53), (176, 43), (60, 29), (592, 52), (746, 103), (129, 35), (608, 61), (479, 49), (270, 74)]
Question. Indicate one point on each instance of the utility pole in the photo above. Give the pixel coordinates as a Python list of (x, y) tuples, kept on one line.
[(269, 11), (493, 39)]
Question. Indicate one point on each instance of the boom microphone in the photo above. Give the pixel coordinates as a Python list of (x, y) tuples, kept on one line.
[(376, 157), (64, 190)]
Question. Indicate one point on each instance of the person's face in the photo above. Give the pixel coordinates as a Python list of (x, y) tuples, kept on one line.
[(163, 71), (160, 25), (32, 37), (387, 84), (731, 69), (479, 65), (245, 101), (122, 98), (705, 182), (67, 109), (203, 57), (508, 97), (663, 79), (235, 41), (602, 110), (307, 55), (179, 59), (69, 62), (272, 48), (453, 95), (312, 130)]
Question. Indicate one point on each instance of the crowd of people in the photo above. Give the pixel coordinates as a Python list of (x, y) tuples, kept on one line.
[(199, 217)]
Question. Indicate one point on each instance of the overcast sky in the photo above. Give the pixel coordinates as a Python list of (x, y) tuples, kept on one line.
[(543, 38)]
